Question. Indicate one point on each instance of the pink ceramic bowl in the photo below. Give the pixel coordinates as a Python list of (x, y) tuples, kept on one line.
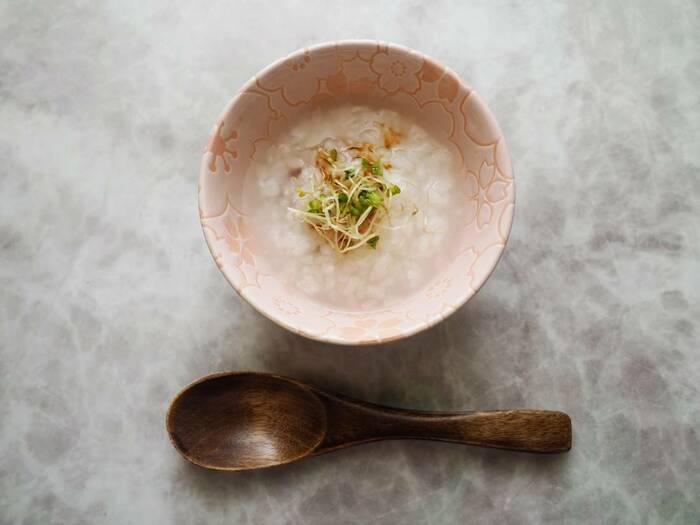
[(360, 71)]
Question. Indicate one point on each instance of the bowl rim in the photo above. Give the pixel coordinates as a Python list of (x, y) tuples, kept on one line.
[(418, 326)]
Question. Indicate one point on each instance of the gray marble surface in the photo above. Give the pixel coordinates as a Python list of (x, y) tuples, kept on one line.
[(110, 302)]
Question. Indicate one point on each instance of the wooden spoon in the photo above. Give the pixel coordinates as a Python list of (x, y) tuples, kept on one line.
[(247, 420)]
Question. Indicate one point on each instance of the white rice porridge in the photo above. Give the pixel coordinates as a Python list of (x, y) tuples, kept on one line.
[(415, 236)]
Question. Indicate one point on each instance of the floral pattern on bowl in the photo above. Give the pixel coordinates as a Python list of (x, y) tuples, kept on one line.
[(356, 71)]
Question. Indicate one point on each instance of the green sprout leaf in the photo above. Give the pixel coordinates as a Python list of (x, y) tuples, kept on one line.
[(315, 206), (373, 242), (374, 198)]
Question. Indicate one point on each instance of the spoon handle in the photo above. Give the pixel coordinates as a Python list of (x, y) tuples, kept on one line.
[(351, 423), (541, 431)]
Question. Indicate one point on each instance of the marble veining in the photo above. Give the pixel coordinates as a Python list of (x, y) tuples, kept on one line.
[(109, 300)]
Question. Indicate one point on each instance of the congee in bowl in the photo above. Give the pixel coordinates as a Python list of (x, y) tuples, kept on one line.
[(356, 192)]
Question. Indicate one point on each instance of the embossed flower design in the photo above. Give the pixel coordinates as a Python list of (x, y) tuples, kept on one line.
[(438, 289), (299, 78), (286, 307), (222, 148), (356, 77), (238, 241), (483, 190), (371, 329), (397, 71)]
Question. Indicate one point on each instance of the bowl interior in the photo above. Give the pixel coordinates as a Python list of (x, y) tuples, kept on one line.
[(367, 73)]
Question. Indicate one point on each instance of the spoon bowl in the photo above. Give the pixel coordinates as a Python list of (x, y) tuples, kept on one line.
[(235, 421), (248, 420)]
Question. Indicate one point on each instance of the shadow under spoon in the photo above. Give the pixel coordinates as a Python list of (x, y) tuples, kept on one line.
[(247, 420)]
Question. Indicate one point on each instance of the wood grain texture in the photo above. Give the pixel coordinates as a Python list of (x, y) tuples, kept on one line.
[(247, 420), (351, 422)]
